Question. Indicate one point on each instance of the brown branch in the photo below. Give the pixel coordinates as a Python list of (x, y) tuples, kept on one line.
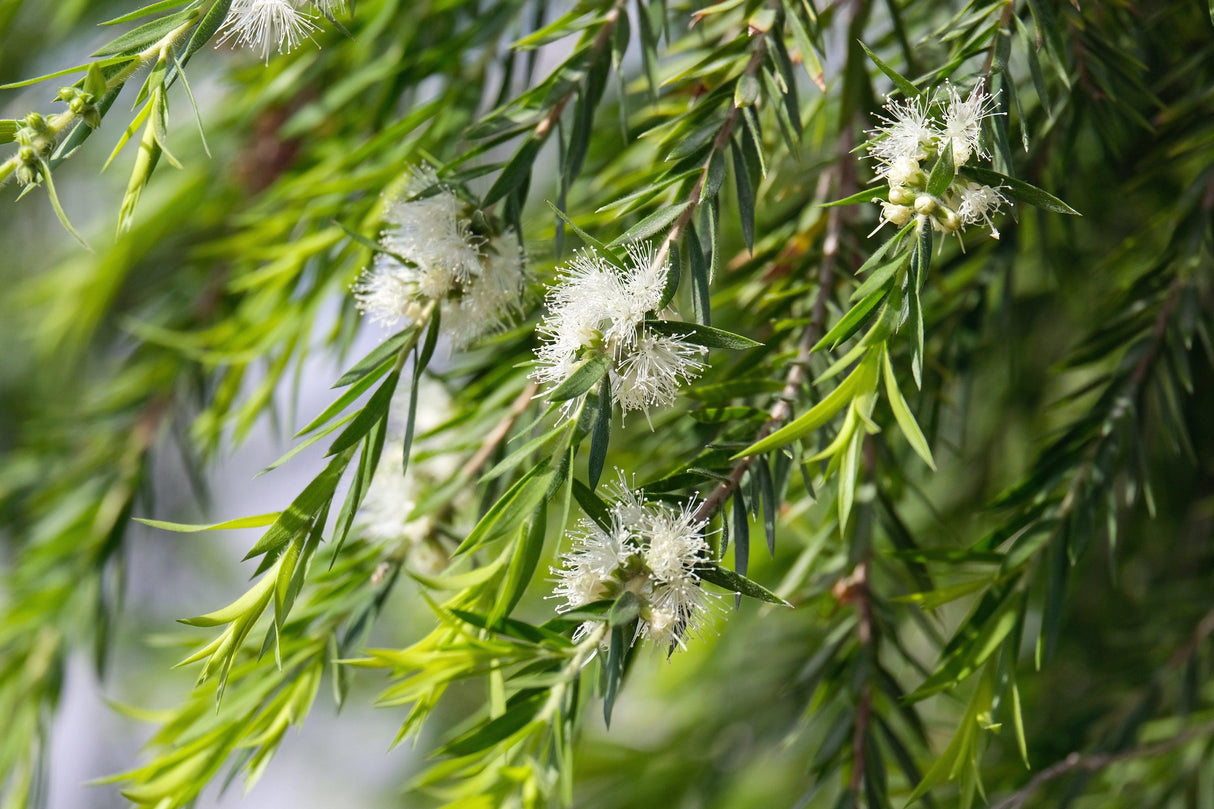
[(718, 144), (1098, 761), (798, 368), (1004, 20), (499, 431), (862, 598), (600, 41)]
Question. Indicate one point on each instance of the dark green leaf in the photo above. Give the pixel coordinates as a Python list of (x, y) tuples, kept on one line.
[(943, 173), (516, 717), (593, 505), (601, 435), (585, 377), (702, 335), (901, 82), (727, 579), (515, 172)]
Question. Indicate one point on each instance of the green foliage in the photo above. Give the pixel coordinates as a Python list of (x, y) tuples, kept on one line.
[(933, 615)]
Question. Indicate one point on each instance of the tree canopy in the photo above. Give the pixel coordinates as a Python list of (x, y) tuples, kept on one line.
[(756, 403)]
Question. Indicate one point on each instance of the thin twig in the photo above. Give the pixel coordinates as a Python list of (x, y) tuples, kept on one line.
[(1098, 761), (781, 411), (759, 49), (864, 705), (499, 432), (600, 41)]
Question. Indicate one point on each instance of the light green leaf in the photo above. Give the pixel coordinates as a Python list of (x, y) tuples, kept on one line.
[(902, 412)]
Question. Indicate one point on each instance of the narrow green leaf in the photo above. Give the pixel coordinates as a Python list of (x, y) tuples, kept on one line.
[(879, 278), (386, 350), (601, 249), (375, 412), (902, 412), (851, 322), (514, 720), (515, 172), (625, 610), (656, 222), (701, 335), (303, 509), (867, 195), (206, 29), (860, 379), (257, 521), (746, 197), (511, 509), (943, 173), (523, 563), (600, 436), (901, 82), (59, 212), (356, 390), (585, 377), (148, 10), (593, 505), (727, 579), (137, 39), (517, 457)]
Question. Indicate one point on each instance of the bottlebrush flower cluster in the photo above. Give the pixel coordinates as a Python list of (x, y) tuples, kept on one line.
[(907, 144), (267, 25), (598, 309), (431, 254), (651, 550)]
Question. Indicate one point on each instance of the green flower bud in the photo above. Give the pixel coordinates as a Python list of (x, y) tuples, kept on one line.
[(901, 196)]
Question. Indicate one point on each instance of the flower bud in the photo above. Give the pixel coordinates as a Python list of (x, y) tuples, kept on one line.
[(901, 196), (949, 220), (29, 174), (898, 214), (925, 204)]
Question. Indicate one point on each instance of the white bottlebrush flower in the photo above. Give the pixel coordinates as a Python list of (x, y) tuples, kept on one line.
[(433, 255), (267, 25), (384, 515), (905, 136), (597, 308), (652, 550), (651, 374), (676, 542), (678, 609), (977, 203), (390, 499), (909, 141), (963, 122), (490, 299)]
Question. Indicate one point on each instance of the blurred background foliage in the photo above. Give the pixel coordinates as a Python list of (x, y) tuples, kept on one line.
[(1065, 371)]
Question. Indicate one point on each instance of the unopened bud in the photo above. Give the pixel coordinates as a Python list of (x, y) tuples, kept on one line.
[(901, 196), (28, 174), (898, 214), (925, 204)]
